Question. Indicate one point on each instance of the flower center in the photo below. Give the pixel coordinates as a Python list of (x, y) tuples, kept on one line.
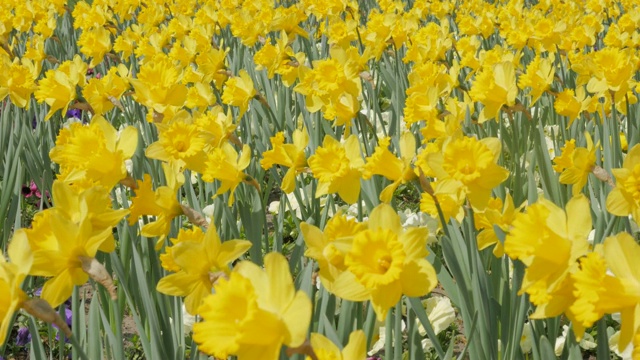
[(384, 263)]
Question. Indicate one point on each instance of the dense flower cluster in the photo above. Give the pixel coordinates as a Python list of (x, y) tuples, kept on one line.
[(229, 97)]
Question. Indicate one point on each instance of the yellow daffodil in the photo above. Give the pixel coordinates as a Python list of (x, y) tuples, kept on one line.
[(93, 204), (11, 276), (238, 91), (162, 203), (333, 85), (280, 59), (338, 168), (158, 87), (473, 163), (450, 198), (94, 43), (422, 106), (71, 247), (497, 213), (57, 90), (614, 72), (609, 282), (576, 164), (546, 226), (215, 126), (65, 239), (624, 199), (428, 43), (253, 312), (324, 349), (18, 82), (421, 164), (398, 170), (494, 87), (184, 235), (103, 94), (94, 154), (179, 141), (329, 248), (289, 155), (224, 164), (571, 104), (211, 64), (538, 78), (386, 261), (198, 262)]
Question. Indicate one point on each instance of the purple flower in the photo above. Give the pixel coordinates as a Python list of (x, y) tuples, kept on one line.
[(68, 316), (75, 113), (24, 337)]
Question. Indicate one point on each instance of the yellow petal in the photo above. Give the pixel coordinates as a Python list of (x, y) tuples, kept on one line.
[(622, 252), (58, 289), (231, 250), (418, 278), (177, 284), (617, 204), (349, 189), (347, 287), (128, 142), (387, 193), (289, 181), (281, 290), (385, 297), (357, 346), (297, 318), (414, 241), (384, 217), (20, 252), (324, 346)]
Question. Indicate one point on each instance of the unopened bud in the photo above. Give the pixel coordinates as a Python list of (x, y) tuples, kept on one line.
[(99, 274)]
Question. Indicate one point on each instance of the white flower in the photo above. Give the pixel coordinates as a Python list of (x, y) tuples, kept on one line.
[(591, 237), (379, 345), (616, 317), (351, 211), (550, 131), (67, 123), (440, 313), (207, 211), (293, 205), (627, 353), (274, 207), (525, 340), (426, 344), (194, 177), (560, 340), (587, 342), (418, 219), (129, 165), (188, 320)]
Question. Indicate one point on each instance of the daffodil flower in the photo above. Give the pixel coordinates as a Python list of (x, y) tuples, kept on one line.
[(338, 168), (198, 261), (289, 155), (253, 312), (398, 170), (386, 261), (12, 274)]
